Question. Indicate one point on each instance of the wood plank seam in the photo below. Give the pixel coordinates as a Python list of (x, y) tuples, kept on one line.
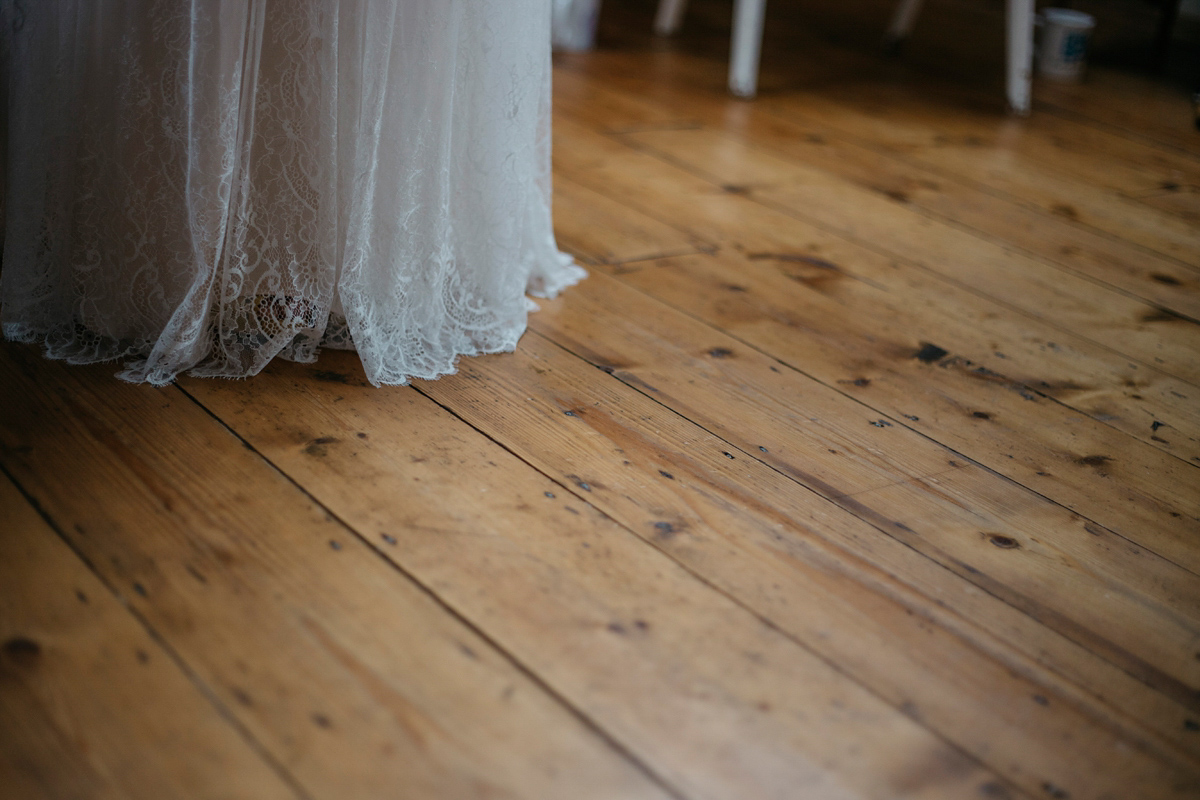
[(580, 495), (1120, 130), (1007, 243), (584, 488), (611, 741), (170, 652), (1003, 195), (901, 423), (940, 279), (1173, 688), (934, 274), (815, 142)]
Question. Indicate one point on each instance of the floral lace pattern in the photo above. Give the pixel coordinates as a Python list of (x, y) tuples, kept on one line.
[(206, 184)]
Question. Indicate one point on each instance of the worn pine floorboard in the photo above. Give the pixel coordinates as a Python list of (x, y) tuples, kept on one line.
[(866, 464)]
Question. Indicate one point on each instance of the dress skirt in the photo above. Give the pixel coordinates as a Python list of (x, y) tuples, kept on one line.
[(204, 185)]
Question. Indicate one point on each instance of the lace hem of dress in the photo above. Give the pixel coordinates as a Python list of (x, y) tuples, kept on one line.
[(287, 327)]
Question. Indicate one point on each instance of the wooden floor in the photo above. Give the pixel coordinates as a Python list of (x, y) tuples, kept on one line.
[(866, 464)]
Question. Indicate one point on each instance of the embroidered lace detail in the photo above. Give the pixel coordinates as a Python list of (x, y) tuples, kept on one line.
[(204, 186)]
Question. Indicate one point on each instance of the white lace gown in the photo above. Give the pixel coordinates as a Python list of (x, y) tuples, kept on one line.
[(204, 185)]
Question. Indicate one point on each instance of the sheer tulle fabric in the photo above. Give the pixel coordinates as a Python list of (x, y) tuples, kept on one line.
[(206, 185)]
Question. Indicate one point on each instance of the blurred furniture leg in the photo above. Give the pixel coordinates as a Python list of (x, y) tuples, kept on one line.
[(902, 24), (746, 47), (1019, 33), (670, 14), (1020, 54)]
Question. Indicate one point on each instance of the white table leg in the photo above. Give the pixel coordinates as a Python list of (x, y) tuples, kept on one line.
[(746, 47), (1020, 54), (670, 14), (902, 22)]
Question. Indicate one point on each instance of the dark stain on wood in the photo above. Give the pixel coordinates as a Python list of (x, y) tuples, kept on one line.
[(981, 415), (818, 283), (733, 287), (1064, 210), (721, 352), (240, 695), (1169, 280), (335, 544), (635, 381), (796, 258), (317, 446), (930, 353), (1161, 314), (1093, 461), (994, 791), (331, 376), (1002, 541), (321, 720), (22, 651), (580, 482), (1057, 792), (664, 530), (666, 474), (79, 595), (387, 537), (1043, 388)]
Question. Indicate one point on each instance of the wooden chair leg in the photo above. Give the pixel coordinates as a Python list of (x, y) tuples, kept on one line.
[(1020, 55), (669, 16), (746, 46), (902, 24)]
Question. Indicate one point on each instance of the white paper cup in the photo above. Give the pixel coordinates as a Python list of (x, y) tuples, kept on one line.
[(1062, 53)]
